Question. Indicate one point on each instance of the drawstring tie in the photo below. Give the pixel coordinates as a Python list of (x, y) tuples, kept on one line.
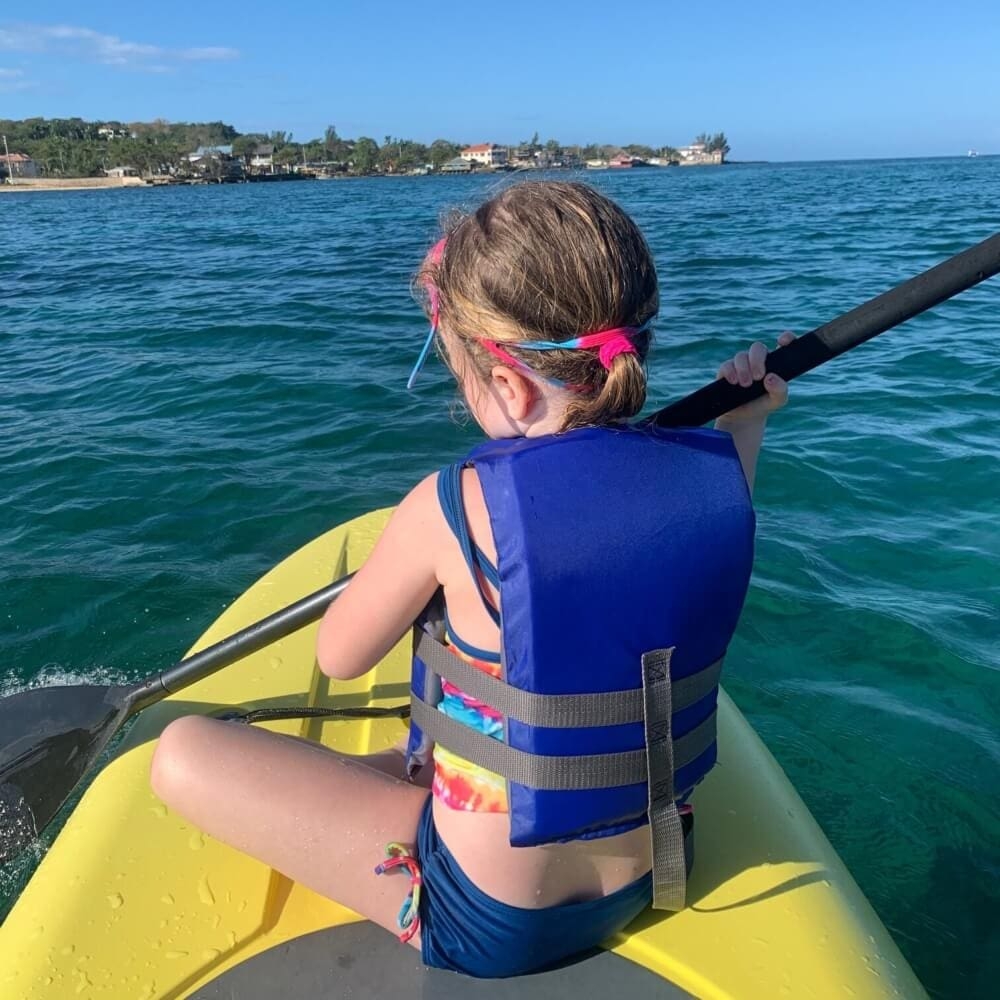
[(397, 856)]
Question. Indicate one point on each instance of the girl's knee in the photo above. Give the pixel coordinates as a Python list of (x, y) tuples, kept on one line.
[(178, 749)]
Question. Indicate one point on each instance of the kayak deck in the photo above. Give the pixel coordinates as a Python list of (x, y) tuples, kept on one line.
[(132, 902)]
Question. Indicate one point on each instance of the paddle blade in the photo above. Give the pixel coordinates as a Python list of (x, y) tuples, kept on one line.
[(49, 737)]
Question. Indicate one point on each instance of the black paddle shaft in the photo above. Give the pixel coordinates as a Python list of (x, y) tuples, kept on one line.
[(876, 316), (235, 647)]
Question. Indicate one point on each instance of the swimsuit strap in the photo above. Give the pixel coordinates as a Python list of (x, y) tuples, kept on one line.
[(449, 491)]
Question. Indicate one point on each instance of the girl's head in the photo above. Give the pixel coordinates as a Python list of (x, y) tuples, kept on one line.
[(540, 265)]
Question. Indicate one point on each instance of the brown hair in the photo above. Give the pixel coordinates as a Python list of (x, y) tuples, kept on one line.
[(548, 260)]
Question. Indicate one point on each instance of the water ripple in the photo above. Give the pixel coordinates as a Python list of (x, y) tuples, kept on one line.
[(197, 381)]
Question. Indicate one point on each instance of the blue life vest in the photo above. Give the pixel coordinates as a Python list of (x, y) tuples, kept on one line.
[(624, 556)]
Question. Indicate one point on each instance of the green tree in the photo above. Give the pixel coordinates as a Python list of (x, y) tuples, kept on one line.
[(246, 145), (714, 143), (289, 153), (442, 151), (315, 151), (719, 144), (335, 147), (365, 156)]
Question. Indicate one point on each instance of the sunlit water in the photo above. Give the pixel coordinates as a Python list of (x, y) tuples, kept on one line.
[(197, 381)]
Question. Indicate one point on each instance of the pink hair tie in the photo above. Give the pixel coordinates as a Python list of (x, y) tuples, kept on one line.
[(610, 349)]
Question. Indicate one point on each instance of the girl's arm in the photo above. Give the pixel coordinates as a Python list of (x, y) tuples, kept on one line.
[(746, 423), (388, 592)]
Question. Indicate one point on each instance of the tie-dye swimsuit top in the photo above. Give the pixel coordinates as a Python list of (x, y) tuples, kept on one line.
[(458, 783)]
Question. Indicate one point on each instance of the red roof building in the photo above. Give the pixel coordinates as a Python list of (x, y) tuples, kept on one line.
[(17, 165), (489, 154)]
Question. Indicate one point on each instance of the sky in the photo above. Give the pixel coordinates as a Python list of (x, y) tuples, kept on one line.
[(784, 80)]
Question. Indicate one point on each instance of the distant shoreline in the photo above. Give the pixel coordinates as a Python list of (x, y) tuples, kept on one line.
[(72, 184), (122, 183)]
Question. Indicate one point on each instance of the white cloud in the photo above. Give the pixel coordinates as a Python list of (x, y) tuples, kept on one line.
[(12, 80), (110, 50)]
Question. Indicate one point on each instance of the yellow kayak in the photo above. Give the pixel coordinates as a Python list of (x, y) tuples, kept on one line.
[(133, 903)]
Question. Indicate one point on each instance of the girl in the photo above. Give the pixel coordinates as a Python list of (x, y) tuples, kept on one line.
[(563, 699)]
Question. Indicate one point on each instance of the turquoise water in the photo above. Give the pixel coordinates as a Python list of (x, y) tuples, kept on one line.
[(197, 381)]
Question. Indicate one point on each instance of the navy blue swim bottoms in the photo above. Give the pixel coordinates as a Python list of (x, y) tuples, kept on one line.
[(465, 930)]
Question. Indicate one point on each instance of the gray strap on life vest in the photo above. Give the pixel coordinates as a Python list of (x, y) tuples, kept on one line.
[(605, 770), (552, 773), (558, 711), (669, 870)]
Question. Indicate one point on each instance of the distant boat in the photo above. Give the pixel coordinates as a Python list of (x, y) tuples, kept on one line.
[(973, 152)]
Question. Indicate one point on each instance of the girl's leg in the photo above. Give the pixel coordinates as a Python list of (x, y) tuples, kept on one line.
[(318, 817)]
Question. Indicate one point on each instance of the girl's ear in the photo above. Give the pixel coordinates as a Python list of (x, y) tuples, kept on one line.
[(516, 392)]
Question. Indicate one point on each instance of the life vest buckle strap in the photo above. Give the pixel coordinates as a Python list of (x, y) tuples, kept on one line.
[(548, 773), (557, 711), (665, 829), (552, 773)]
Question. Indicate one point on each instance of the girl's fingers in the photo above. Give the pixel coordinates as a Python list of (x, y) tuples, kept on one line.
[(728, 372), (777, 390), (743, 373), (750, 366)]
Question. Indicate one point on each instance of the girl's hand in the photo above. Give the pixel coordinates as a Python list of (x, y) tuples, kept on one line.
[(748, 367)]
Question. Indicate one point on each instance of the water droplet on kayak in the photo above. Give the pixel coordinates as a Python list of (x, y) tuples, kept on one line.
[(275, 661), (116, 900), (210, 954), (243, 905), (216, 920), (159, 811), (176, 954), (168, 899), (231, 939), (197, 841), (68, 950), (205, 893)]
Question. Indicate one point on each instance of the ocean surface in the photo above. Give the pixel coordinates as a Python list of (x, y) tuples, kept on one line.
[(196, 381)]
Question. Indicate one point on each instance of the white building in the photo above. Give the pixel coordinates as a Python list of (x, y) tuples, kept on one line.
[(489, 154), (697, 154), (262, 158)]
